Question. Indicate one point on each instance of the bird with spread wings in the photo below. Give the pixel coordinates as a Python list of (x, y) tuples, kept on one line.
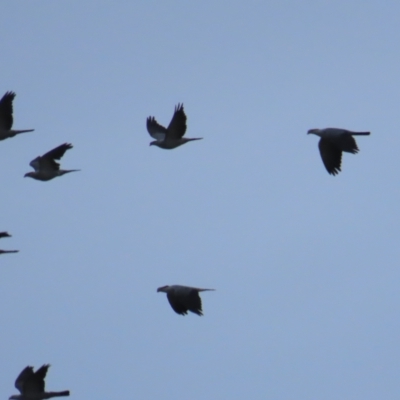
[(332, 143), (32, 386), (6, 117), (46, 167), (184, 298), (171, 137)]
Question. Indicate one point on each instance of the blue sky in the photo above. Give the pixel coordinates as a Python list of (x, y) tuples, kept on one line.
[(305, 264)]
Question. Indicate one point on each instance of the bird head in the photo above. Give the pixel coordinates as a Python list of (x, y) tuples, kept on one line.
[(14, 397), (315, 131), (154, 143), (163, 289), (30, 174)]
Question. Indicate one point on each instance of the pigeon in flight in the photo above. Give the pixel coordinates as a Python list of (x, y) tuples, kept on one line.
[(3, 235), (32, 387), (183, 298), (171, 137), (332, 143), (46, 167), (6, 117)]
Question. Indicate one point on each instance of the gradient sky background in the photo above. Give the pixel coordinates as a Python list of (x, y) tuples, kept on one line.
[(305, 264)]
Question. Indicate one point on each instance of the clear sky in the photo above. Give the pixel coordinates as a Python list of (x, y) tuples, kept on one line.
[(306, 265)]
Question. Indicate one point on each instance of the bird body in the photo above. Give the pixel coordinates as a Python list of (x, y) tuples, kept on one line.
[(32, 386), (332, 133), (172, 144), (44, 175), (46, 167), (171, 137), (332, 143), (6, 117), (184, 298)]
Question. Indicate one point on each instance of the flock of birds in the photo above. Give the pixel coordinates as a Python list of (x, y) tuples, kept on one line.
[(333, 142)]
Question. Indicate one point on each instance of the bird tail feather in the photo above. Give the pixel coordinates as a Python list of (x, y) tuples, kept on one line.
[(65, 171), (57, 394), (22, 131), (360, 133)]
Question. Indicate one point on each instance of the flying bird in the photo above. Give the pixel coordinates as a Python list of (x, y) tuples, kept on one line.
[(3, 235), (46, 167), (332, 143), (32, 387), (6, 117), (171, 137), (184, 298)]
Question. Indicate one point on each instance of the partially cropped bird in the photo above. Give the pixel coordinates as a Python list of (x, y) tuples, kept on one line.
[(184, 298), (6, 117), (332, 143), (8, 251), (3, 235), (46, 167), (32, 387), (171, 137)]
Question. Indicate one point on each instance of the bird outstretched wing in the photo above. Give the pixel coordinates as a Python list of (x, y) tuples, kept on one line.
[(331, 156), (36, 383), (47, 161), (6, 110), (23, 377), (348, 143), (156, 130), (176, 304), (58, 152), (193, 302), (31, 383), (190, 301), (177, 126)]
